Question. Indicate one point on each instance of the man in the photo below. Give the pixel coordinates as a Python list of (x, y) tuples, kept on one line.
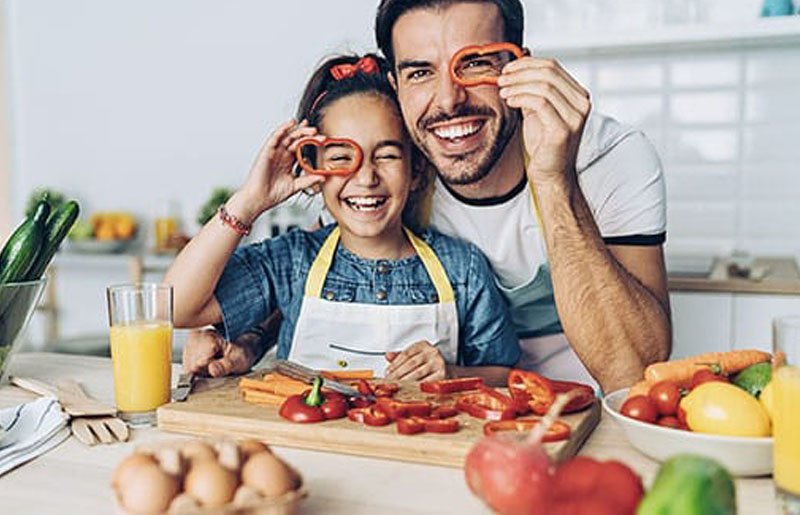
[(583, 254)]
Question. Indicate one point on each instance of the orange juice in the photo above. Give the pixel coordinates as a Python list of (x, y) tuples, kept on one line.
[(165, 227), (786, 391), (141, 354)]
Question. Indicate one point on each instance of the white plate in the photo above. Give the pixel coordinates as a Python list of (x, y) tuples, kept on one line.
[(98, 246), (742, 456)]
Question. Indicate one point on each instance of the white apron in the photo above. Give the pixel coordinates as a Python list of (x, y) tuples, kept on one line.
[(331, 335)]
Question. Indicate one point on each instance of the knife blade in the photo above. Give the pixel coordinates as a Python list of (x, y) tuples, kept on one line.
[(183, 388), (307, 375)]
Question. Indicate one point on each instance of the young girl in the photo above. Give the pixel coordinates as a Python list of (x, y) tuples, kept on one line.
[(365, 292)]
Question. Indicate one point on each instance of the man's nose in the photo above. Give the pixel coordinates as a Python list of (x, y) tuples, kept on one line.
[(449, 94)]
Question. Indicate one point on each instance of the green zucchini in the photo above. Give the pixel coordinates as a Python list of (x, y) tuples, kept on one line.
[(21, 249), (58, 225)]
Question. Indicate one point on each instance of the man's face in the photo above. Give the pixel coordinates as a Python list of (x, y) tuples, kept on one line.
[(462, 131)]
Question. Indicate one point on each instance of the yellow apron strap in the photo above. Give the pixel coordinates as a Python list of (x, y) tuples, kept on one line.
[(434, 268), (321, 265)]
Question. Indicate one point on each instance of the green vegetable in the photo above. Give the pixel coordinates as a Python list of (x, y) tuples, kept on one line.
[(20, 251), (82, 230), (690, 485), (218, 197), (754, 378), (58, 225), (314, 397), (55, 198)]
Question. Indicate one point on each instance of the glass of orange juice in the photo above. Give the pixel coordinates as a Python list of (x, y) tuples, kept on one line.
[(786, 412), (140, 320)]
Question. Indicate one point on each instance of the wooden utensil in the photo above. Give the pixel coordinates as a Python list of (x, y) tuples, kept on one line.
[(92, 420)]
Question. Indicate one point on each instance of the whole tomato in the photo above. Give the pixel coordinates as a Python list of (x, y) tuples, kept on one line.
[(670, 421), (641, 408), (584, 485), (665, 396), (706, 376)]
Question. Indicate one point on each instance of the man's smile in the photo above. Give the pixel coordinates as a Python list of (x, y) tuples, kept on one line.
[(457, 137)]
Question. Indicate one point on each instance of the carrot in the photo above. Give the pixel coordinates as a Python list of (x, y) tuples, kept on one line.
[(263, 398), (681, 370), (276, 387), (347, 375)]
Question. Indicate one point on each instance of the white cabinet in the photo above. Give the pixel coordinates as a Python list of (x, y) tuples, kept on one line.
[(753, 315), (701, 322)]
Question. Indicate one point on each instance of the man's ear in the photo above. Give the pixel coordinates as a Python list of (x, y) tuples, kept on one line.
[(392, 81)]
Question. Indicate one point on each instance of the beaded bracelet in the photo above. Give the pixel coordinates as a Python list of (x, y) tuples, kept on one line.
[(233, 222)]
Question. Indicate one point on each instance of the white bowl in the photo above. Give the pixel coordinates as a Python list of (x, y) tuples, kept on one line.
[(741, 455)]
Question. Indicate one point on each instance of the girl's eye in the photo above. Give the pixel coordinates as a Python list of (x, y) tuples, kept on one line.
[(340, 159), (388, 157)]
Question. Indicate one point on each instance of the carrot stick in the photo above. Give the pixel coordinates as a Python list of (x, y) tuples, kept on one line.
[(347, 375), (681, 370), (276, 387), (263, 398)]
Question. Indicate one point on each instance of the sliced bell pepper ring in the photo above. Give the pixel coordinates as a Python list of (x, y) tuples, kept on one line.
[(557, 432), (449, 425), (359, 402), (414, 425), (443, 411), (583, 397), (401, 409), (443, 386), (488, 404), (370, 416), (377, 390), (530, 387), (410, 425), (314, 405), (364, 388)]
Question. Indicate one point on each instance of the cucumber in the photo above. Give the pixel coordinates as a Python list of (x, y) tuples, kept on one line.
[(58, 225), (21, 249)]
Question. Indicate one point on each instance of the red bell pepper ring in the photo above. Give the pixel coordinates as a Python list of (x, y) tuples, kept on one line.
[(443, 411), (359, 402), (414, 425), (478, 51), (370, 416), (557, 432), (401, 409), (444, 386), (314, 405), (354, 151), (377, 390), (487, 404), (364, 388), (535, 390), (410, 425), (583, 395)]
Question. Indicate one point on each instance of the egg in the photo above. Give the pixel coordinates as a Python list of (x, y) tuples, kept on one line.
[(267, 474), (147, 489), (246, 496), (183, 503), (228, 456), (250, 447), (125, 466), (171, 461), (197, 450), (210, 483)]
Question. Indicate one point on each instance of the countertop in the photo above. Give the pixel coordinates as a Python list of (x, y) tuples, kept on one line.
[(74, 478), (781, 277)]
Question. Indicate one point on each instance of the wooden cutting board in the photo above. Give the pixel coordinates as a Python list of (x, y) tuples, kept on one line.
[(220, 410)]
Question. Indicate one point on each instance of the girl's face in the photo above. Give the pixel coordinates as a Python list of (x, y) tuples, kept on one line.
[(369, 202)]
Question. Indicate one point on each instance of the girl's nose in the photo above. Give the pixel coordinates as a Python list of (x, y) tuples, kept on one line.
[(367, 174)]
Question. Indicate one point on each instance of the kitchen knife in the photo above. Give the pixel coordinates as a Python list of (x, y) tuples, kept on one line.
[(307, 375), (182, 389)]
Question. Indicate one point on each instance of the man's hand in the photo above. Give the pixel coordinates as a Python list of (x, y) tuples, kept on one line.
[(420, 361), (207, 353), (554, 109)]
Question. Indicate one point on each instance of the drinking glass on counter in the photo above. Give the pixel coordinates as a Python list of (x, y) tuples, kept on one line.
[(786, 418), (140, 321)]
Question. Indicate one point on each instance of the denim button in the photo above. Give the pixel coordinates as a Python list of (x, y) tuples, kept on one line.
[(329, 295), (383, 269), (381, 295)]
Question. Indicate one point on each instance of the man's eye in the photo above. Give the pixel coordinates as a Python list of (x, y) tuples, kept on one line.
[(417, 75), (480, 63)]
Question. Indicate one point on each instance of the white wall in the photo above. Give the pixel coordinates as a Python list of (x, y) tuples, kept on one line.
[(121, 104)]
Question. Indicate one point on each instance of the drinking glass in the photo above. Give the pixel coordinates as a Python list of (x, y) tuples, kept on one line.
[(140, 322), (786, 417)]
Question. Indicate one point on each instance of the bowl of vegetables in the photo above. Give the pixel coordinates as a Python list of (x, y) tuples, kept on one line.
[(720, 412)]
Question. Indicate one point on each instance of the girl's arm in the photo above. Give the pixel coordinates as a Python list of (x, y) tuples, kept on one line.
[(197, 269)]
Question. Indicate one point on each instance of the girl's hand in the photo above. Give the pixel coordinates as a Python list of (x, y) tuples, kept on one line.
[(271, 179), (420, 361)]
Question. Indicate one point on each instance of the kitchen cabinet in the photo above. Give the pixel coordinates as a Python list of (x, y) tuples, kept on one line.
[(753, 315), (701, 322)]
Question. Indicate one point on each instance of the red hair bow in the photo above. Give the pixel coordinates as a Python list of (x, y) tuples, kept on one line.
[(366, 64)]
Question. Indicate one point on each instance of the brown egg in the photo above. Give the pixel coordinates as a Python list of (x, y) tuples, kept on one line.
[(267, 474), (210, 483), (147, 489), (228, 455), (250, 447), (171, 461), (183, 503), (246, 496), (129, 463), (197, 450)]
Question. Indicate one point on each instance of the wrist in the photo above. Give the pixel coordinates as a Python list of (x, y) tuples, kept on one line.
[(243, 207)]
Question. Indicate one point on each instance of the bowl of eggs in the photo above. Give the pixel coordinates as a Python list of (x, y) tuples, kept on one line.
[(201, 477)]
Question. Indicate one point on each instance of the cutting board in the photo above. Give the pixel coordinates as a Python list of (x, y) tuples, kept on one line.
[(218, 409)]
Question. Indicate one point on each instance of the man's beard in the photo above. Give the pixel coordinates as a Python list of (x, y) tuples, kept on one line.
[(466, 174)]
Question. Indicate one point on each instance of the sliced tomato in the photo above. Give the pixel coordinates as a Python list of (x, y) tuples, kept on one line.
[(410, 425), (444, 386), (487, 404), (583, 395), (532, 388), (557, 432)]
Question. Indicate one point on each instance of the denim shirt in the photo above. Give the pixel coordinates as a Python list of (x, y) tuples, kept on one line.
[(269, 275)]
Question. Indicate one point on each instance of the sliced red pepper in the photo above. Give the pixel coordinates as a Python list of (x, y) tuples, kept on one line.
[(414, 425), (370, 416), (334, 406), (410, 425), (311, 405), (364, 388), (532, 388), (359, 402), (400, 409), (450, 425), (557, 432), (443, 386), (488, 404), (443, 411), (386, 389), (583, 397)]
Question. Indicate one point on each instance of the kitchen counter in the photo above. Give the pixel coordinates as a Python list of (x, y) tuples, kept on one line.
[(781, 277), (74, 478)]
